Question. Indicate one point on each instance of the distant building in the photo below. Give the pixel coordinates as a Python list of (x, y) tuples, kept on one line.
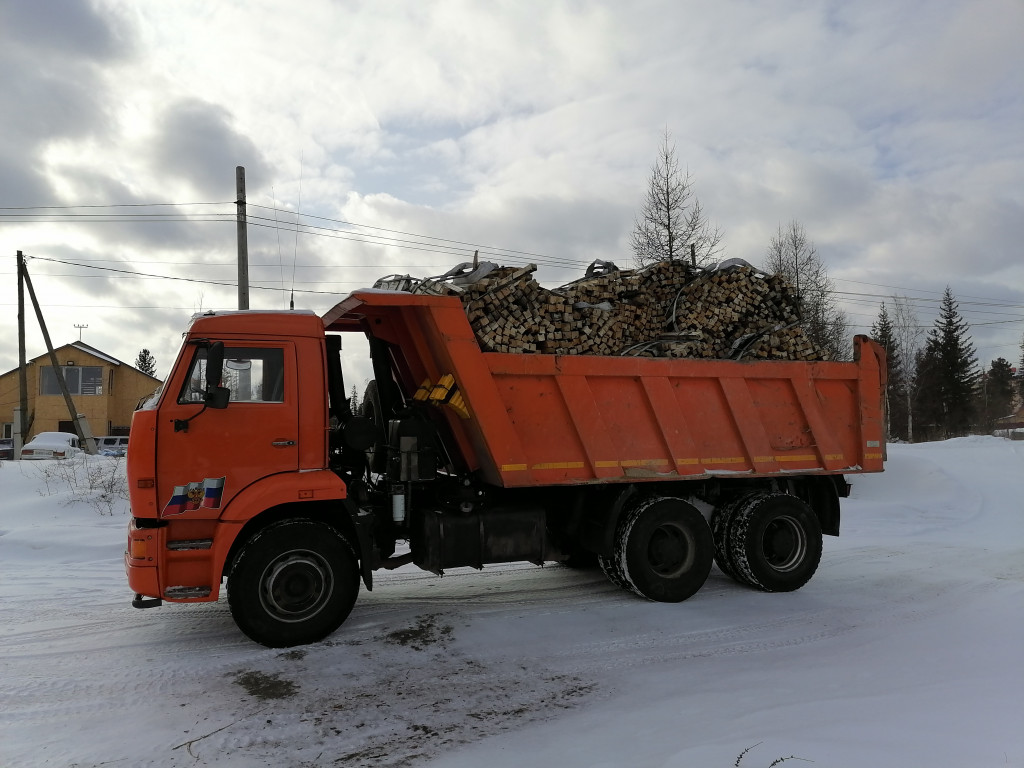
[(105, 390), (1013, 421)]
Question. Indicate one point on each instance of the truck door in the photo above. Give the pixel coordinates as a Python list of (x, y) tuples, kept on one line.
[(206, 456)]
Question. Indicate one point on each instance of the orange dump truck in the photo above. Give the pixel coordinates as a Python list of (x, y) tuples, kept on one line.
[(251, 467)]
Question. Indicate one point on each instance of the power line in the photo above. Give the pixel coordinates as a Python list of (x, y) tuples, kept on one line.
[(167, 277), (419, 242), (108, 205), (427, 243)]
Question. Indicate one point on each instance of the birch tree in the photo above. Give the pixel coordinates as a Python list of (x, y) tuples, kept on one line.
[(907, 339), (792, 255)]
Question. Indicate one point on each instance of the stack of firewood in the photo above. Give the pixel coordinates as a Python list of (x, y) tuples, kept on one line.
[(668, 309)]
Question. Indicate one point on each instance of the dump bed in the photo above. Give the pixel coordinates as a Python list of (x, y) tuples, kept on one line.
[(534, 419)]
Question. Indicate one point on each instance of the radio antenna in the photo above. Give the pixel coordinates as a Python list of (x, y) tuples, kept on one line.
[(277, 228), (298, 216)]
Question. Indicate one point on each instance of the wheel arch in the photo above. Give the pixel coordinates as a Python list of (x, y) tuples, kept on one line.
[(339, 514), (822, 493)]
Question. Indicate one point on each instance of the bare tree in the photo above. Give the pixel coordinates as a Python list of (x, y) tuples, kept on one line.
[(792, 255), (907, 338), (672, 218)]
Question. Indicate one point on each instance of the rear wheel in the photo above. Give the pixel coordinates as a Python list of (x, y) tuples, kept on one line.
[(775, 542), (663, 550), (721, 521), (293, 583)]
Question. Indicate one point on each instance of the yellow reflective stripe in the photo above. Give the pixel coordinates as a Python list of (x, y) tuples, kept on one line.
[(633, 463)]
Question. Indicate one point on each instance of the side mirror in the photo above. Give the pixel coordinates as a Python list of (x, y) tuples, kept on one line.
[(217, 398), (214, 365), (216, 395)]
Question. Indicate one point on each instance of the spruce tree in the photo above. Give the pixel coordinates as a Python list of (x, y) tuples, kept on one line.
[(1020, 371), (895, 392), (995, 393), (948, 373), (146, 363)]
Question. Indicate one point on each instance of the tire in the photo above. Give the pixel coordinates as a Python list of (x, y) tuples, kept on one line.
[(775, 542), (721, 520), (664, 549), (610, 568), (293, 583)]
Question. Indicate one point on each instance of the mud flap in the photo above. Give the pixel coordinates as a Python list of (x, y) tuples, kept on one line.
[(363, 523)]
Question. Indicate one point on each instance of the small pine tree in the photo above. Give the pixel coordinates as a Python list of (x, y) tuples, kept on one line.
[(146, 363), (353, 400)]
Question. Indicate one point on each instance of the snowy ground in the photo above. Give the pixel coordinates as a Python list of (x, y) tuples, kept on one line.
[(906, 649)]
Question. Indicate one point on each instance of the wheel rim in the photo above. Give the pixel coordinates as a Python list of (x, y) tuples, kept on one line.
[(784, 543), (669, 551), (296, 586)]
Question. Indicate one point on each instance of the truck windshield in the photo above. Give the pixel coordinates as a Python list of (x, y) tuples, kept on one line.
[(253, 374)]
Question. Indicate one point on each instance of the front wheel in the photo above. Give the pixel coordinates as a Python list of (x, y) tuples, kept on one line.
[(663, 550), (293, 583)]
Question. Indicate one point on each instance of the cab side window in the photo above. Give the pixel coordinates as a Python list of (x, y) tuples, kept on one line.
[(253, 374)]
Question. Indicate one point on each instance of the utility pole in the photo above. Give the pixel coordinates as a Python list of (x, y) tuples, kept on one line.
[(80, 327), (22, 425), (85, 436), (243, 240)]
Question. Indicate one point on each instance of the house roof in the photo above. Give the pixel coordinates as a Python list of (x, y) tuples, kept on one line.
[(83, 347)]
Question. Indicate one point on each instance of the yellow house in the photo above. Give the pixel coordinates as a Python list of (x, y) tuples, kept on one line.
[(103, 389)]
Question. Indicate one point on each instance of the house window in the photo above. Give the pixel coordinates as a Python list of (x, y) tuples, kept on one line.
[(81, 380)]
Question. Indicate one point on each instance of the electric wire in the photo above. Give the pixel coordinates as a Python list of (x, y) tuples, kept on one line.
[(401, 240)]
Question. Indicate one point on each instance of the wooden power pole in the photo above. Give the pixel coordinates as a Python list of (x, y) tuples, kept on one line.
[(243, 240), (24, 423), (85, 437)]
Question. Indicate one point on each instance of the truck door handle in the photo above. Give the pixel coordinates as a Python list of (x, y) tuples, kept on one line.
[(282, 443)]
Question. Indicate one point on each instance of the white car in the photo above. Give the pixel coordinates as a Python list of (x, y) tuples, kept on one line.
[(51, 445), (112, 445)]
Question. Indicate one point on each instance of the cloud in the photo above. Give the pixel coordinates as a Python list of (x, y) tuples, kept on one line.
[(890, 131), (51, 87), (69, 29), (197, 143)]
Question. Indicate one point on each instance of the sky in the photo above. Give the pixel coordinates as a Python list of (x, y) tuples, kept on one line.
[(404, 136)]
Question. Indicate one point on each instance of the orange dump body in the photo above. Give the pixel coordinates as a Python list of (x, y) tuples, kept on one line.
[(537, 420)]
